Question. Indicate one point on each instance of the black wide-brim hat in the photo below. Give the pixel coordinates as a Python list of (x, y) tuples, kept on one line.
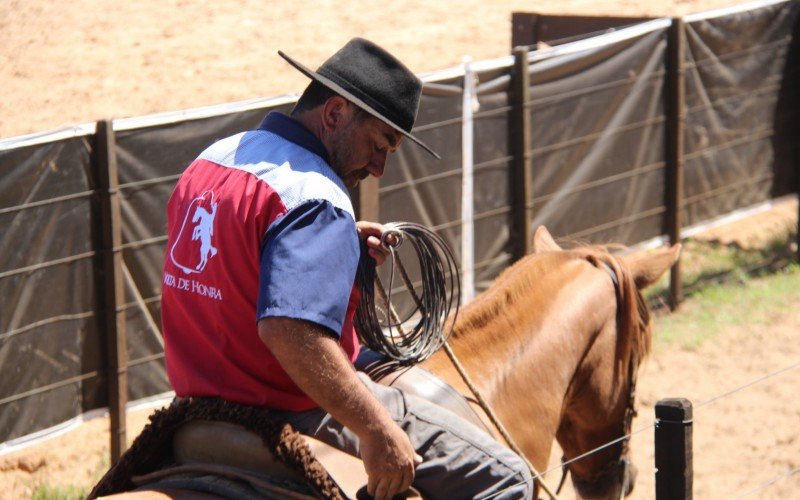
[(375, 81)]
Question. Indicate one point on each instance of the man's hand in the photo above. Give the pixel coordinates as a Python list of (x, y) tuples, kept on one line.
[(370, 233), (389, 460), (316, 363)]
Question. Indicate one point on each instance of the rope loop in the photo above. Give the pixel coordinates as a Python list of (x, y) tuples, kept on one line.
[(435, 294)]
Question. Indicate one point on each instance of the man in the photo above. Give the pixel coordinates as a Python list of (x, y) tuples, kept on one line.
[(259, 292)]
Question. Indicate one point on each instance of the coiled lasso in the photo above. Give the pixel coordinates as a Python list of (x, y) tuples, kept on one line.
[(438, 292)]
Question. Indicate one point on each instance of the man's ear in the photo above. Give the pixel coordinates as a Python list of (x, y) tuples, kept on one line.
[(334, 112)]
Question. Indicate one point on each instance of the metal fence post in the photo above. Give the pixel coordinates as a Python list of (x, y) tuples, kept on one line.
[(675, 120), (468, 108), (110, 284), (521, 171), (673, 443)]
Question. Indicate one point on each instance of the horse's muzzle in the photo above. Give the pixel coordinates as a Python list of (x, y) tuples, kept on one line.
[(618, 477)]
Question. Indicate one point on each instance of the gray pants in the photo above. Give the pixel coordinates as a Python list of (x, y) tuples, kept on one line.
[(459, 460)]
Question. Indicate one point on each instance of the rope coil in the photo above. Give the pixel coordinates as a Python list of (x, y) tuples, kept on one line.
[(424, 329)]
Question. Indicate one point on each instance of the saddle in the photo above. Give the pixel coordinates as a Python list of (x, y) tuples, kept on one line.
[(222, 447), (419, 382), (235, 452)]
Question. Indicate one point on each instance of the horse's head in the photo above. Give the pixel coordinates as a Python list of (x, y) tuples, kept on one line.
[(599, 405)]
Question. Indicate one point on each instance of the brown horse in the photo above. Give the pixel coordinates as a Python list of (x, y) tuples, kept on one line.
[(553, 346)]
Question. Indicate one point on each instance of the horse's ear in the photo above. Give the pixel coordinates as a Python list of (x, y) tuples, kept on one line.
[(647, 268), (543, 242)]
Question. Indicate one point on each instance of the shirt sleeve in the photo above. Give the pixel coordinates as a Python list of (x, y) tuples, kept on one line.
[(308, 265)]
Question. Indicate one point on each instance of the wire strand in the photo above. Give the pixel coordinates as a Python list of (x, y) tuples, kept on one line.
[(769, 482), (579, 457), (748, 384)]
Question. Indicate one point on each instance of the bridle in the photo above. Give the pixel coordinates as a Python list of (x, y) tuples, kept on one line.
[(619, 469)]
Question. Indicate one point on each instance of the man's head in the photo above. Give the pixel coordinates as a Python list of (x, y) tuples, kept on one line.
[(358, 144), (365, 94)]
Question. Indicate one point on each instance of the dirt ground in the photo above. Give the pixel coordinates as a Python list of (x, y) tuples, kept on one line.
[(63, 63)]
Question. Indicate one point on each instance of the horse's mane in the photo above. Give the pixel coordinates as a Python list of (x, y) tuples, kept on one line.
[(634, 333), (517, 282), (522, 282)]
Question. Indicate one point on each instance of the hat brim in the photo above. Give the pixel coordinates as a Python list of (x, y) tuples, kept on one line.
[(355, 100)]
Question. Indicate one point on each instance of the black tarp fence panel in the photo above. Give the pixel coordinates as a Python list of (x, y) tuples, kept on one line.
[(786, 146), (604, 183), (492, 175), (418, 188), (48, 329), (597, 128), (738, 71), (51, 351), (596, 109)]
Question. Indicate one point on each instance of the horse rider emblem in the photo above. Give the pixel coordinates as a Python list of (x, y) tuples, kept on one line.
[(194, 245)]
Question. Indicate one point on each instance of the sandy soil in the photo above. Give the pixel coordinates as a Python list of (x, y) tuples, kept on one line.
[(741, 440), (63, 63)]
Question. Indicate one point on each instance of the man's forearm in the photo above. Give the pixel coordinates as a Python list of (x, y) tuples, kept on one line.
[(317, 364)]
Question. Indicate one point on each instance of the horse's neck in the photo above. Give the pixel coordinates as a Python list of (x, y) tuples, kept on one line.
[(522, 341), (540, 310)]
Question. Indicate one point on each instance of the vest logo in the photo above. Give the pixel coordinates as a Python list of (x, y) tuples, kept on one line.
[(194, 246)]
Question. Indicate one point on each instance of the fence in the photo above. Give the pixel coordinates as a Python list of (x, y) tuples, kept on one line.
[(627, 136), (673, 430)]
